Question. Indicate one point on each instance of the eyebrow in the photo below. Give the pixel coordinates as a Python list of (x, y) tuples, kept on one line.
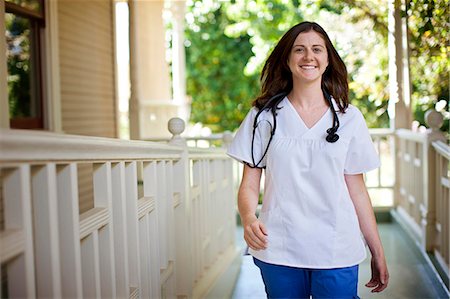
[(304, 46)]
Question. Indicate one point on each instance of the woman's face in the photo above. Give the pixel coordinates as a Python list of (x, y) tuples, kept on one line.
[(308, 59)]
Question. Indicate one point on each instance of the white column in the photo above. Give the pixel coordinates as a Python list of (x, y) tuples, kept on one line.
[(406, 74), (399, 102), (133, 111), (151, 105), (4, 106), (399, 109), (178, 10)]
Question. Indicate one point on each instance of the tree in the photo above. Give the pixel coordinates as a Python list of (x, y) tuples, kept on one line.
[(357, 28), (429, 46), (364, 50), (221, 92)]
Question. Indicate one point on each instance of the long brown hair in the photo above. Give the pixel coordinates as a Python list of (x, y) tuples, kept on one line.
[(276, 76)]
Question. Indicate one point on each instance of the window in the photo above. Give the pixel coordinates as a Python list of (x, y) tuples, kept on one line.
[(24, 25)]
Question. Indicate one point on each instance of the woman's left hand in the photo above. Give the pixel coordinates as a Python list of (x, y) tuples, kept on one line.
[(380, 274)]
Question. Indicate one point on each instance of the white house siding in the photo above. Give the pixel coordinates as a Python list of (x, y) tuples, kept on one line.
[(86, 54), (86, 40)]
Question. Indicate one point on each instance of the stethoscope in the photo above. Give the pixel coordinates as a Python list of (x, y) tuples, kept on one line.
[(272, 105)]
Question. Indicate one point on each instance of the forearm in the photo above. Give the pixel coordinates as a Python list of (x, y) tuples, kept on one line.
[(249, 194), (361, 201), (365, 213), (247, 204)]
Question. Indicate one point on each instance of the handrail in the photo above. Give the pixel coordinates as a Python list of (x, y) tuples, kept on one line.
[(442, 148), (411, 135), (381, 132), (26, 145)]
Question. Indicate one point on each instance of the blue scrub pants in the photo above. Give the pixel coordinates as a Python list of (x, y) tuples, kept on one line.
[(291, 282)]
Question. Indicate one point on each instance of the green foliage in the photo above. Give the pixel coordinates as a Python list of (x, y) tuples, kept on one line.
[(230, 41), (429, 64), (221, 92), (364, 50)]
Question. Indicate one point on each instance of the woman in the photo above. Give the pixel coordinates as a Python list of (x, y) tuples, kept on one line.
[(314, 147)]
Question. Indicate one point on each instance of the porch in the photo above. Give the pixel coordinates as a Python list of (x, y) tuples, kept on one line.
[(162, 223), (411, 273)]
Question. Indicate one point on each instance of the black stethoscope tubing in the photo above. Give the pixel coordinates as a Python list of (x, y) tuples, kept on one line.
[(272, 104)]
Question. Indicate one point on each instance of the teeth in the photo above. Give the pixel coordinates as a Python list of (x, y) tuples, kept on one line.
[(308, 67)]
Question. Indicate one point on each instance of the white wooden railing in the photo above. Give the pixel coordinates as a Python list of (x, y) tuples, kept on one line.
[(442, 192), (422, 187), (213, 140), (380, 182), (161, 225)]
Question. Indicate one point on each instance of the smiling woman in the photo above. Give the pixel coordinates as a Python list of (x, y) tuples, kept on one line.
[(307, 240), (309, 58)]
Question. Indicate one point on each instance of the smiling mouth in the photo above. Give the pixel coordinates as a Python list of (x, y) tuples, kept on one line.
[(308, 67)]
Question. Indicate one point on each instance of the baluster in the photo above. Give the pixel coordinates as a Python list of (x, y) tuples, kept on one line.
[(17, 211), (144, 247), (132, 226), (119, 220), (196, 201), (162, 208), (69, 231), (46, 240), (103, 198), (183, 227), (90, 266), (150, 190)]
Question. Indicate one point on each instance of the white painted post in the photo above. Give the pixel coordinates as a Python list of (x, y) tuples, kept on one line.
[(69, 232), (184, 215), (399, 109), (46, 240), (17, 208), (227, 138), (434, 121)]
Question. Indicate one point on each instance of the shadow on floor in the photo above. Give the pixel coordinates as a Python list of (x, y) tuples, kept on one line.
[(410, 273)]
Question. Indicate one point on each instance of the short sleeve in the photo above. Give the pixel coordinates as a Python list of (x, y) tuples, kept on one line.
[(361, 155), (241, 147)]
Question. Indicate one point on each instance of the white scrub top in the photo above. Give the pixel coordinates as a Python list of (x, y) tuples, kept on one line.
[(310, 218)]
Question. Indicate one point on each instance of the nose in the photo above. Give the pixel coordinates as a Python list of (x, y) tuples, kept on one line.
[(308, 55)]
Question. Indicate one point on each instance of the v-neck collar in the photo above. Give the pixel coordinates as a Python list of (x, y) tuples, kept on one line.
[(324, 116)]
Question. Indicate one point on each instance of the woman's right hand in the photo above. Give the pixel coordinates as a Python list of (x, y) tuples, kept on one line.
[(255, 233)]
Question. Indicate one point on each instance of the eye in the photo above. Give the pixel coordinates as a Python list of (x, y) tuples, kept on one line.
[(317, 50), (299, 50)]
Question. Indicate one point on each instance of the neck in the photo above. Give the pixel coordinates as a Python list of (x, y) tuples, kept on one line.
[(307, 95)]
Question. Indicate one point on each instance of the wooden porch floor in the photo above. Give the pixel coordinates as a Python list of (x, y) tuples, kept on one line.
[(411, 275)]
